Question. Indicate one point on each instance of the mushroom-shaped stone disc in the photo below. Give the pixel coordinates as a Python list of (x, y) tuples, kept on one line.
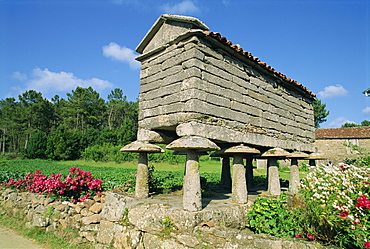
[(298, 154), (197, 143), (316, 156), (180, 153), (275, 152), (241, 149), (139, 146)]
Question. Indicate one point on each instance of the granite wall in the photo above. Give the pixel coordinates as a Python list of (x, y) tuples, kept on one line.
[(119, 221), (193, 77)]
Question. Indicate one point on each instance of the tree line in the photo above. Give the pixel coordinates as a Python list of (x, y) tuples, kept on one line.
[(363, 123), (83, 125), (62, 129)]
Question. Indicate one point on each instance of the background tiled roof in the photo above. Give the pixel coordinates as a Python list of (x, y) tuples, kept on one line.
[(352, 132)]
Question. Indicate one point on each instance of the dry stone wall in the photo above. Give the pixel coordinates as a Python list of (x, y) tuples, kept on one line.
[(338, 149), (195, 78), (118, 221)]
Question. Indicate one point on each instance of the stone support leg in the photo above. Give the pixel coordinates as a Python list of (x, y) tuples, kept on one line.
[(225, 173), (294, 176), (239, 184), (273, 181), (142, 186), (192, 196), (249, 173)]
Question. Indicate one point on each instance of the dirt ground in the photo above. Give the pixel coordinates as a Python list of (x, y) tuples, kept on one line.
[(10, 239)]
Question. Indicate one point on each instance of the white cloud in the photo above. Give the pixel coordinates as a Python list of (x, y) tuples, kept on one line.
[(332, 91), (185, 7), (46, 81), (19, 76), (366, 111), (338, 122), (123, 54)]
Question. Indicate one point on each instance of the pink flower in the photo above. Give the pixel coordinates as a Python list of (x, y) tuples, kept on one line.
[(298, 236), (367, 244)]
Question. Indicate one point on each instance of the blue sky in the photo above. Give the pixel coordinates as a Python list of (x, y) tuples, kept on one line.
[(53, 46)]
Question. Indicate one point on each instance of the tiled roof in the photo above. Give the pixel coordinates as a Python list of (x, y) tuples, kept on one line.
[(344, 133), (248, 55)]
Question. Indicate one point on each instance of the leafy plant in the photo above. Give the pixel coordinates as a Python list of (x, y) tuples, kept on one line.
[(271, 216), (124, 220), (168, 226)]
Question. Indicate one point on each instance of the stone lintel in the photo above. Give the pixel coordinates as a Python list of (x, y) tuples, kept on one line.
[(227, 135), (154, 136)]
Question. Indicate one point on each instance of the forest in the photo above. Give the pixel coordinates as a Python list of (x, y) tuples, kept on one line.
[(81, 126)]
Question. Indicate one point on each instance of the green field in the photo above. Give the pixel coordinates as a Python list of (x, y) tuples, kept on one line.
[(210, 166), (165, 175)]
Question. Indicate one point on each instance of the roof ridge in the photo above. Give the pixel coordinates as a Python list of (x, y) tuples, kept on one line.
[(344, 132)]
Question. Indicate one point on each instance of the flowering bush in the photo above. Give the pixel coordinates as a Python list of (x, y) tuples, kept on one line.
[(77, 186), (337, 201)]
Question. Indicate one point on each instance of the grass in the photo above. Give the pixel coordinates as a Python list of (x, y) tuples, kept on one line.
[(51, 241), (206, 166), (47, 240), (210, 166)]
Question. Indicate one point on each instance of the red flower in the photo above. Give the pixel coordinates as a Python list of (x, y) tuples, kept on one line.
[(363, 202), (310, 236), (367, 244), (344, 214)]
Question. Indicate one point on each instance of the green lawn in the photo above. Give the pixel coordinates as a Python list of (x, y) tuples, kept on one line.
[(115, 174), (209, 166)]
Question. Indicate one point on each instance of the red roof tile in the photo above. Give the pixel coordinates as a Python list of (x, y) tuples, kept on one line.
[(248, 55), (344, 133)]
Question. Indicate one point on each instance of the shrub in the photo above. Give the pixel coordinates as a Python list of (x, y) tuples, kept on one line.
[(97, 153), (333, 206), (270, 216), (37, 146), (337, 205), (77, 186)]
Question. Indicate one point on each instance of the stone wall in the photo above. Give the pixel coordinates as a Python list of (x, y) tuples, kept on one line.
[(196, 78), (118, 221), (338, 143), (335, 149)]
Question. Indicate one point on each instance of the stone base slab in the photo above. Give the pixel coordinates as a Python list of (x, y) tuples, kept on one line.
[(226, 135)]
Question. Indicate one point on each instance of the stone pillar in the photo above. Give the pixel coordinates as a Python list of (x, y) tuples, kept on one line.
[(142, 186), (239, 185), (225, 173), (261, 164), (294, 176), (192, 196), (249, 173), (273, 182), (192, 145), (143, 148)]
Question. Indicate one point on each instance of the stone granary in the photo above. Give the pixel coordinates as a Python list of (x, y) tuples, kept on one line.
[(195, 85)]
